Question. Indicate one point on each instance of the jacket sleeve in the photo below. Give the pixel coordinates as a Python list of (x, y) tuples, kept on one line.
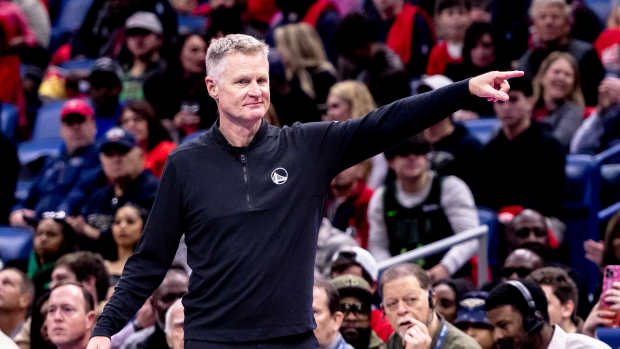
[(570, 119), (146, 269), (350, 142)]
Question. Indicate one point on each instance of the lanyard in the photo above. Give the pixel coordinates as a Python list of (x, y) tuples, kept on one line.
[(442, 336)]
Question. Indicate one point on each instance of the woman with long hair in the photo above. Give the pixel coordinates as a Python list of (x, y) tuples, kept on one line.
[(126, 232)]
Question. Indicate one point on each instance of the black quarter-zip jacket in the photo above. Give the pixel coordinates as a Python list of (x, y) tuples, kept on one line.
[(250, 217)]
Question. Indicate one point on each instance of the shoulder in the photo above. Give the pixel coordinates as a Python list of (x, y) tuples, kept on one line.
[(575, 340), (457, 339)]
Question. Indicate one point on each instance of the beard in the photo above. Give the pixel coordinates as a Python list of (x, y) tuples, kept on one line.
[(510, 343), (357, 337)]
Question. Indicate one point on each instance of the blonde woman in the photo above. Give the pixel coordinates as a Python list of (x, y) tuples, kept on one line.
[(305, 62), (558, 97)]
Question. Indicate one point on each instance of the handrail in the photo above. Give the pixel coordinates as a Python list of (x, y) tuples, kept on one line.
[(480, 233), (608, 211)]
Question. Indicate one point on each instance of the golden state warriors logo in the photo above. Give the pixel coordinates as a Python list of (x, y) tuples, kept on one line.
[(279, 175)]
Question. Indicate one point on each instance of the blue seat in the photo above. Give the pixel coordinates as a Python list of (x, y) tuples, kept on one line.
[(483, 129), (187, 23), (84, 64), (31, 150), (601, 7), (15, 243), (8, 119), (192, 137), (611, 336), (71, 14), (47, 122)]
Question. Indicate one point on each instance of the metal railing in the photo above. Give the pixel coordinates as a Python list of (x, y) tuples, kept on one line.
[(479, 233)]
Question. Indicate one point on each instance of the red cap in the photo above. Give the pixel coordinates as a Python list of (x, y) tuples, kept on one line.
[(77, 106)]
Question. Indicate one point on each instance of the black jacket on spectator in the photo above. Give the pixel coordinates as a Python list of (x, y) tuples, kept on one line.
[(8, 177), (591, 69), (527, 171)]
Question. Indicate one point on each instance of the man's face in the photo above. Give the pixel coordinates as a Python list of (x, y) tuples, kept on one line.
[(67, 320), (356, 324), (508, 329), (554, 306), (173, 287), (77, 131), (520, 263), (528, 230), (118, 164), (11, 296), (409, 167), (327, 324), (404, 299), (62, 274), (177, 333), (517, 110), (242, 88), (143, 43), (351, 270), (446, 301), (551, 23)]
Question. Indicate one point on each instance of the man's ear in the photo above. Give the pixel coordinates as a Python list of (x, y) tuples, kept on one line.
[(211, 87), (338, 317), (91, 318)]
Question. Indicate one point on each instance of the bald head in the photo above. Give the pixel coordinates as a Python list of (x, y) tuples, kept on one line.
[(520, 263), (528, 230)]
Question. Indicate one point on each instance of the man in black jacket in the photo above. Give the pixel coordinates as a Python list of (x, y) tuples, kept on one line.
[(249, 198)]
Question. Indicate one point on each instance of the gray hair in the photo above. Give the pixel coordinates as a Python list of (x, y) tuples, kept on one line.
[(177, 304), (229, 44), (537, 4)]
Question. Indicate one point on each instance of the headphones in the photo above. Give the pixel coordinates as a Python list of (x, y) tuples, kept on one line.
[(430, 300), (533, 322)]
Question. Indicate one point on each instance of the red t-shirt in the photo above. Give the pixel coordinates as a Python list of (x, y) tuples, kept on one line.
[(607, 46), (156, 158), (440, 58)]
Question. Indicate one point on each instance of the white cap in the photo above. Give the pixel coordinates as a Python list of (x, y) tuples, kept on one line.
[(363, 258), (435, 81)]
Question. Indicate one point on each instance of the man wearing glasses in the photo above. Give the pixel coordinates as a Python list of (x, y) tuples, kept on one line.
[(355, 304), (408, 304)]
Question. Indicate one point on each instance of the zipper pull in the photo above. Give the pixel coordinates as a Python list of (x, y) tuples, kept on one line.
[(243, 159)]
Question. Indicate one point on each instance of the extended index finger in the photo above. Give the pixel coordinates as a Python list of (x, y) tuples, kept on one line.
[(509, 74)]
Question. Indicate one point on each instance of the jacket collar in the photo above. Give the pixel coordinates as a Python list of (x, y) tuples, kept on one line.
[(214, 132)]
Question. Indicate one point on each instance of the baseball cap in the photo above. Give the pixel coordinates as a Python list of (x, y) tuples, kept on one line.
[(105, 72), (351, 285), (76, 106), (471, 309), (117, 139), (433, 82), (144, 20), (361, 257)]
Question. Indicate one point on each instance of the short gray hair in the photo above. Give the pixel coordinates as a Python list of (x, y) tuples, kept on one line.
[(536, 4), (177, 304), (229, 44)]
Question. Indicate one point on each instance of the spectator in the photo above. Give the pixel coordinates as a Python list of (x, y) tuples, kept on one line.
[(562, 295), (173, 287), (520, 263), (322, 15), (123, 164), (528, 230), (174, 325), (8, 178), (52, 239), (105, 89), (454, 147), (348, 203), (59, 174), (38, 20), (472, 319), (418, 208), (126, 231), (408, 303), (16, 296), (327, 315), (452, 19), (557, 96), (518, 312), (306, 67), (27, 337), (70, 316), (603, 315), (143, 39), (448, 293), (102, 31), (601, 129), (607, 44), (179, 95), (365, 59), (606, 252), (552, 22), (356, 304), (586, 24), (85, 268), (509, 163), (481, 53), (139, 119), (406, 29)]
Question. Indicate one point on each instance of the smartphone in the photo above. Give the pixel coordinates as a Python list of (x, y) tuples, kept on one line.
[(611, 274)]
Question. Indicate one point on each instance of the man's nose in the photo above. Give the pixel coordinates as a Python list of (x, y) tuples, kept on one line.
[(254, 89)]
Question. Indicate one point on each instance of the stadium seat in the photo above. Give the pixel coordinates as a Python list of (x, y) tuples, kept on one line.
[(483, 129), (8, 119), (189, 24), (84, 64), (15, 243), (601, 7), (192, 137), (611, 336), (45, 136)]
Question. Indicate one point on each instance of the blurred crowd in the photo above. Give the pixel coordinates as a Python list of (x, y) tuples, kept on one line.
[(128, 77)]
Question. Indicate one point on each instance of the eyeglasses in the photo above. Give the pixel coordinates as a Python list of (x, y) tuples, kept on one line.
[(522, 272), (525, 232), (355, 308), (392, 303)]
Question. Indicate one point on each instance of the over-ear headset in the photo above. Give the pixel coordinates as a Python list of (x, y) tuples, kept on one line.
[(532, 321), (430, 300)]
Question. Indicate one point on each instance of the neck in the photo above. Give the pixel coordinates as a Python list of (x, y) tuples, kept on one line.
[(9, 320), (333, 337), (551, 103), (436, 133), (124, 252), (79, 343), (414, 185), (239, 133), (433, 327), (544, 337), (568, 326), (513, 132)]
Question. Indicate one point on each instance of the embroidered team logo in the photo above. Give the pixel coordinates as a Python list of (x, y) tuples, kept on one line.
[(279, 175)]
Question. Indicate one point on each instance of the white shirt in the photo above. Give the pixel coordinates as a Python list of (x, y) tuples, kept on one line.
[(561, 340), (6, 342)]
